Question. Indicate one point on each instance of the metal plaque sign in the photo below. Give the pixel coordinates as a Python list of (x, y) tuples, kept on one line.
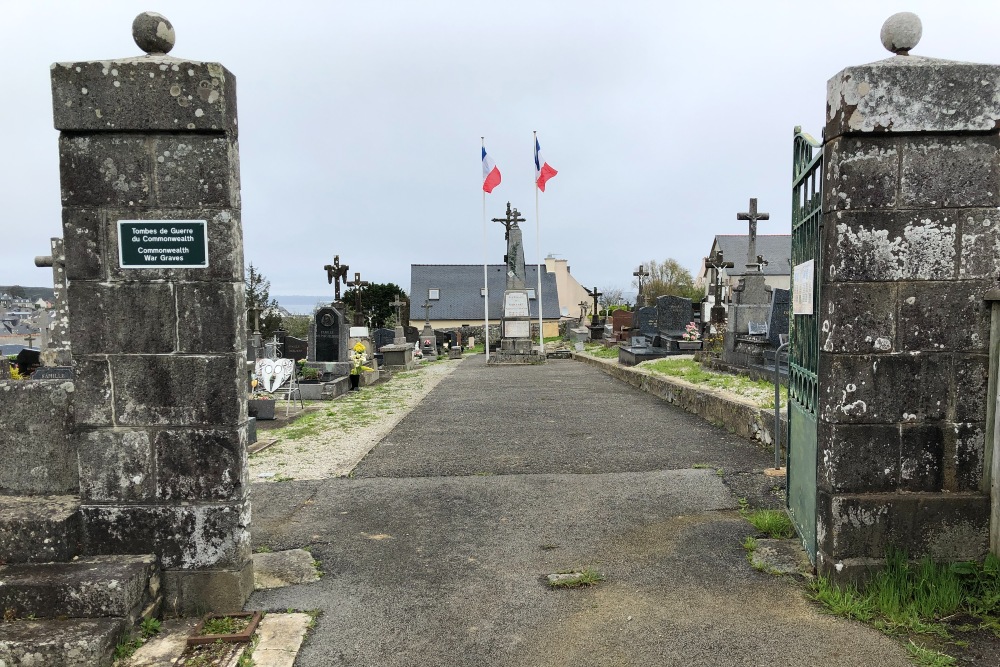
[(163, 244), (803, 278)]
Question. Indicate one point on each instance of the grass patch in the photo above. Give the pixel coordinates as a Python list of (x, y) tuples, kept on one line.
[(921, 598), (225, 625), (601, 352), (773, 523), (586, 577), (689, 370)]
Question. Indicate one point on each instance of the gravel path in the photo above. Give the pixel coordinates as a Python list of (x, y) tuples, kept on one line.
[(332, 437)]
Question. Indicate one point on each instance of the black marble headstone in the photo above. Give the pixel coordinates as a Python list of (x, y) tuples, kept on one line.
[(382, 337), (646, 321), (673, 313), (412, 334), (777, 318), (295, 348), (328, 331)]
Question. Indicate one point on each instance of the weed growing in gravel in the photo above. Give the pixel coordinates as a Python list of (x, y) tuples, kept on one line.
[(773, 523), (586, 577)]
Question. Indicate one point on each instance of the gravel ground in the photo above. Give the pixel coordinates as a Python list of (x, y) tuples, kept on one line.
[(332, 437)]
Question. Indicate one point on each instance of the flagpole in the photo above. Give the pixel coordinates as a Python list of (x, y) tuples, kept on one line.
[(486, 279), (538, 248)]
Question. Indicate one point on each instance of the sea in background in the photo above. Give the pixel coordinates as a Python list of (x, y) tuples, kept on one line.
[(300, 304)]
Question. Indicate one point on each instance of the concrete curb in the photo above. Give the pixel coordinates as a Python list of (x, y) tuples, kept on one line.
[(731, 412)]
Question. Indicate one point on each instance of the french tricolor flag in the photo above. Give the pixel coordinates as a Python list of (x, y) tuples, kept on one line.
[(491, 175), (543, 171)]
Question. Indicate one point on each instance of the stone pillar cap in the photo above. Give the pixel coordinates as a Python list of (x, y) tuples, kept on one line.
[(912, 93), (153, 33)]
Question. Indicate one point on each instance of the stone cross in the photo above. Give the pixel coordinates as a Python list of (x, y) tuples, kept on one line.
[(718, 262), (761, 263), (336, 272), (357, 283), (594, 296), (583, 310), (29, 339), (427, 311), (640, 273), (398, 305), (513, 217), (753, 216)]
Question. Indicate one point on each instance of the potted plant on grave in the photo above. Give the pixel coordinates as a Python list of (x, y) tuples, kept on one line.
[(358, 358), (259, 404), (307, 374), (691, 338)]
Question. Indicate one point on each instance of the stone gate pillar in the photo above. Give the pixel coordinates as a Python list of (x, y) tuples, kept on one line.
[(911, 234), (158, 330)]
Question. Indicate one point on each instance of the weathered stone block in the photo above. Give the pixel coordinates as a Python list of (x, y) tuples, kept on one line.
[(862, 458), (201, 464), (188, 390), (92, 384), (884, 246), (202, 307), (194, 593), (36, 453), (115, 465), (980, 244), (39, 529), (82, 229), (185, 537), (950, 172), (860, 174), (858, 317), (946, 527), (921, 456), (913, 94), (944, 316), (105, 170), (147, 94), (964, 445), (193, 171), (881, 389), (128, 318), (225, 246), (968, 391)]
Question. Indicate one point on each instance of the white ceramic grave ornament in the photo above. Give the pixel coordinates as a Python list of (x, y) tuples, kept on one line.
[(272, 373)]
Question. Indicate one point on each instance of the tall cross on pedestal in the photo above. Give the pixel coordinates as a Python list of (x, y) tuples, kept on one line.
[(336, 272), (357, 284), (583, 310), (427, 311), (398, 305), (640, 273), (513, 217), (753, 216)]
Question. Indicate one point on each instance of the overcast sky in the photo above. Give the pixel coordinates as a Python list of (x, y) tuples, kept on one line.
[(360, 122)]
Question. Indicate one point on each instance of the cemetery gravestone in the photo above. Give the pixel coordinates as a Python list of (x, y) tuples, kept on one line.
[(295, 348), (328, 330), (412, 335), (647, 321), (777, 321), (383, 337), (673, 313)]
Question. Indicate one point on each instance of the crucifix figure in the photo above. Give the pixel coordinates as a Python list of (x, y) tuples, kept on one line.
[(427, 311), (761, 263), (718, 262), (583, 310), (513, 217), (398, 305), (753, 216), (595, 319), (357, 284), (336, 272), (640, 273)]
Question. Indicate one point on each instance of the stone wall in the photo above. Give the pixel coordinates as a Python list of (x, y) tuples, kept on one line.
[(37, 452), (910, 232)]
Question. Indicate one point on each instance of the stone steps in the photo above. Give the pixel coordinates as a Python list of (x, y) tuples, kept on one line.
[(92, 587), (39, 529), (76, 642)]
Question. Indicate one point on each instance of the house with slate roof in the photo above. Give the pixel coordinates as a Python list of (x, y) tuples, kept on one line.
[(456, 293), (775, 248)]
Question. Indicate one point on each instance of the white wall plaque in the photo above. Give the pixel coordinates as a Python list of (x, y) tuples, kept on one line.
[(803, 281), (517, 329), (515, 304)]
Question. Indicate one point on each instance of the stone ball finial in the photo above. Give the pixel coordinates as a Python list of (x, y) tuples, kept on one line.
[(153, 33), (901, 32)]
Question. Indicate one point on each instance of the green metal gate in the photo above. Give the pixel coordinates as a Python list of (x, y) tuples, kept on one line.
[(803, 356)]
